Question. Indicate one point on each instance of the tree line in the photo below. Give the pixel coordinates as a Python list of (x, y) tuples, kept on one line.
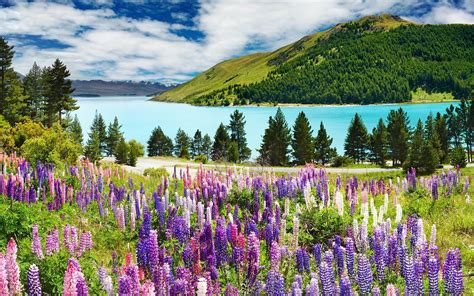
[(229, 143)]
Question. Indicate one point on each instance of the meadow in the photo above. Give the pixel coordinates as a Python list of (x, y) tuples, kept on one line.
[(98, 230)]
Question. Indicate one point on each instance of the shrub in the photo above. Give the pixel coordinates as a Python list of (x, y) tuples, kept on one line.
[(201, 158), (318, 226), (342, 161), (135, 150), (156, 173)]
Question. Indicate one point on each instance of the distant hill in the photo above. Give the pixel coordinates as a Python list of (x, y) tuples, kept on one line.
[(97, 88), (376, 59)]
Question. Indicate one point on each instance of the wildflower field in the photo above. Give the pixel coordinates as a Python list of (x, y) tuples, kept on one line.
[(98, 230)]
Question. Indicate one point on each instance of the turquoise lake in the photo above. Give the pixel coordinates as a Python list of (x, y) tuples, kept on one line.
[(139, 116)]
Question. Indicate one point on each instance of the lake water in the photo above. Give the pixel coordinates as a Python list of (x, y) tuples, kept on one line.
[(139, 116)]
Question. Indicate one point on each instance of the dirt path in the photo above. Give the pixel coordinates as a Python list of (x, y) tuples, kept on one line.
[(169, 163)]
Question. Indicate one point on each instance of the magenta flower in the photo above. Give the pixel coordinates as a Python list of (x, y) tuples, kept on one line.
[(3, 275), (13, 271), (36, 243)]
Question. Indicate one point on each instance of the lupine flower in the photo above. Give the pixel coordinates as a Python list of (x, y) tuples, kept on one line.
[(124, 286), (312, 289), (275, 255), (147, 289), (34, 284), (327, 278), (3, 276), (36, 243), (345, 286), (253, 257), (13, 271), (201, 287), (52, 242), (364, 274)]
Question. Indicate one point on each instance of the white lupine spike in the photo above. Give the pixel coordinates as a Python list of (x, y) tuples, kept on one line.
[(399, 213), (339, 203), (433, 235), (380, 216), (231, 218), (385, 204), (287, 206), (421, 232), (209, 212), (283, 230), (388, 226), (201, 287), (296, 223)]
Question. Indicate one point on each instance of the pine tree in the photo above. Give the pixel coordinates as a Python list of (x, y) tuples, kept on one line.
[(121, 152), (196, 145), (442, 130), (221, 142), (33, 88), (399, 134), (6, 57), (233, 152), (238, 134), (357, 139), (207, 146), (182, 144), (15, 109), (276, 139), (431, 133), (92, 149), (302, 141), (159, 144), (113, 136), (421, 153), (322, 146), (379, 144), (98, 125), (75, 130)]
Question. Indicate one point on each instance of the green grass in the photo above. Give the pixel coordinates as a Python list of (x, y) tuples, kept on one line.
[(421, 96)]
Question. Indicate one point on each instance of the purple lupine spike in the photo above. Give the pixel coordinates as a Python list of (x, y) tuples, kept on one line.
[(326, 274), (339, 258), (275, 256), (345, 286), (376, 291), (410, 276), (317, 253), (220, 241), (433, 270), (299, 260), (364, 274), (34, 284), (124, 286), (275, 284), (350, 253), (36, 243), (312, 289)]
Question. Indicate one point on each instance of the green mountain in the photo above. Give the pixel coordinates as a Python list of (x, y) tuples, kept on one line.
[(376, 59)]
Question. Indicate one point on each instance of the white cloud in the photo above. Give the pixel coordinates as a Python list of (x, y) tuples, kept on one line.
[(122, 48)]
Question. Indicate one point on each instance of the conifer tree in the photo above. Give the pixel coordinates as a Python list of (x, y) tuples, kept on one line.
[(421, 153), (6, 57), (58, 90), (92, 150), (135, 150), (206, 146), (302, 141), (233, 152), (379, 144), (196, 145), (221, 142), (182, 144), (159, 144), (33, 89), (121, 152), (75, 130), (98, 125), (114, 134), (276, 139), (238, 134), (357, 139), (15, 109), (399, 135), (431, 134), (323, 152), (443, 134)]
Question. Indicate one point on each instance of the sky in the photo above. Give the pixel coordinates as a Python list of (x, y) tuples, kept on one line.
[(174, 40)]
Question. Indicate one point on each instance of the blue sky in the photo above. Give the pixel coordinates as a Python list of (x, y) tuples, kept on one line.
[(173, 40)]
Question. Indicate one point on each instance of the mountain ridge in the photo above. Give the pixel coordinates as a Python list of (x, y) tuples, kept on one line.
[(99, 88), (236, 81)]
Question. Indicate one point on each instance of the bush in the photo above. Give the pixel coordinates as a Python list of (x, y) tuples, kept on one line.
[(319, 226), (342, 161), (156, 173), (201, 158), (135, 150), (458, 157), (53, 146), (121, 152)]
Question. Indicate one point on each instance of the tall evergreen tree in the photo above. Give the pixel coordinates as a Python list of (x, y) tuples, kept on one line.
[(6, 57), (302, 141), (378, 145), (207, 146), (15, 100), (121, 152), (443, 134), (221, 142), (276, 139), (399, 135), (98, 125), (238, 134), (454, 126), (75, 130), (182, 144), (233, 152), (463, 110), (58, 90), (431, 134), (33, 89), (323, 152), (357, 140), (92, 150), (159, 144), (421, 153), (196, 145), (114, 134)]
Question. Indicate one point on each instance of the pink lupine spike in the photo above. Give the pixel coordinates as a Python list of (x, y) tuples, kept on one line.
[(3, 275), (13, 271)]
